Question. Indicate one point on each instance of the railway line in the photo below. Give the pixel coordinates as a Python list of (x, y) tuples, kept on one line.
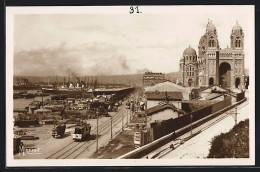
[(74, 149), (156, 154)]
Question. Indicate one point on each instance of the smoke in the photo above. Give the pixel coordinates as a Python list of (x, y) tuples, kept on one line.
[(123, 63), (142, 71), (74, 75), (62, 60)]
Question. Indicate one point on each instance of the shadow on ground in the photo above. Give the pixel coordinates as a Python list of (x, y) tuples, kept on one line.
[(120, 145)]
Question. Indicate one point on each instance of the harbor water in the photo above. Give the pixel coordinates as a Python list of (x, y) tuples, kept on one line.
[(23, 103)]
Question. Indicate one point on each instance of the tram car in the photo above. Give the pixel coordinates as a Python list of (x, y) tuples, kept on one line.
[(127, 106), (81, 132), (59, 130)]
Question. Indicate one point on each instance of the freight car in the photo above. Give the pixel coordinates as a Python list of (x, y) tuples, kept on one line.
[(27, 123), (81, 132), (59, 130)]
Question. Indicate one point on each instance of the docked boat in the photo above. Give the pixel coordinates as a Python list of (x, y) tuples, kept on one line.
[(74, 91), (28, 95)]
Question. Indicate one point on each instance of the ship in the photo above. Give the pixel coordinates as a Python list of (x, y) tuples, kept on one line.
[(78, 89)]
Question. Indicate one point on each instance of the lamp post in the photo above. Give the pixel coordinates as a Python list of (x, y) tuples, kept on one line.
[(236, 116), (111, 127), (97, 132), (126, 116), (191, 124), (122, 121)]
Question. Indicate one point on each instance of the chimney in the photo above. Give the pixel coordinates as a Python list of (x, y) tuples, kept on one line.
[(217, 67)]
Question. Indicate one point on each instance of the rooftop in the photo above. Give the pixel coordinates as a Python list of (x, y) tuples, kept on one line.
[(156, 95), (159, 108), (169, 87)]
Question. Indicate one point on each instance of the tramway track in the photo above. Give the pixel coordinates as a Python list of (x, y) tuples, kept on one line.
[(103, 131), (74, 147)]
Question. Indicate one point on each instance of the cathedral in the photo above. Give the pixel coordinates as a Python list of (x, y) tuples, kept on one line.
[(212, 65)]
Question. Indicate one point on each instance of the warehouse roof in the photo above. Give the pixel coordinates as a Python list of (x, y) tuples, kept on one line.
[(156, 95)]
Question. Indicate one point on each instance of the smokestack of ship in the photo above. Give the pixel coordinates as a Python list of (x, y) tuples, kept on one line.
[(217, 67)]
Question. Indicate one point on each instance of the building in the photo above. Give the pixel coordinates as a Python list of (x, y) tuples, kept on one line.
[(212, 65), (163, 112), (169, 86), (150, 78), (156, 98)]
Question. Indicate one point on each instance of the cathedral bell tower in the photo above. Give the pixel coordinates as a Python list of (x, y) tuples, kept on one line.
[(208, 45), (237, 38), (237, 45)]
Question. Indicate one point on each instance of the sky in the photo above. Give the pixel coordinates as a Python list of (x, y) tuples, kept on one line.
[(105, 43)]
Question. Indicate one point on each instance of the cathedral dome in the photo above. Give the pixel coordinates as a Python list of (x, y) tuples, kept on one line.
[(211, 27), (237, 28), (189, 52)]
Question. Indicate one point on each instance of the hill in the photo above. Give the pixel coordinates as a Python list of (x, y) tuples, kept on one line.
[(134, 79)]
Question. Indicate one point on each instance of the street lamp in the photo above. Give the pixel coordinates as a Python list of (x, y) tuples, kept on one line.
[(191, 124), (122, 121), (97, 132), (111, 127)]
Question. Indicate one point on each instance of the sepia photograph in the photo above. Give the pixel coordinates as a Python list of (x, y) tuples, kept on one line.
[(130, 85)]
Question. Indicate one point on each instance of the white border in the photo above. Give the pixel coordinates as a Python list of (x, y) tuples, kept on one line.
[(11, 11)]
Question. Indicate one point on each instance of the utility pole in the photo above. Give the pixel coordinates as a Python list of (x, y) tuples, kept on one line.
[(191, 124), (236, 115), (122, 121), (42, 100), (127, 116), (97, 133), (111, 127)]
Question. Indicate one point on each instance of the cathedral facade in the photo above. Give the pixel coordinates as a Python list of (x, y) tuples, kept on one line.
[(212, 65)]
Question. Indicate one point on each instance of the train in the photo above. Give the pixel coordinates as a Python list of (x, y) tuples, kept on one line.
[(81, 132), (59, 130)]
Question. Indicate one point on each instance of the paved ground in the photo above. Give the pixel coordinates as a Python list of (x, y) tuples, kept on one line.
[(120, 145), (46, 143)]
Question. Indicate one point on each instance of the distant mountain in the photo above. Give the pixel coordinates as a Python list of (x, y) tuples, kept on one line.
[(134, 79), (173, 76)]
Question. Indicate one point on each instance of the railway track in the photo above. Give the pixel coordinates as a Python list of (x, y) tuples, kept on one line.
[(105, 128), (179, 141), (75, 149)]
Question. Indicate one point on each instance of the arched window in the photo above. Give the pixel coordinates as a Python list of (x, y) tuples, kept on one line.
[(190, 71), (211, 42), (238, 42)]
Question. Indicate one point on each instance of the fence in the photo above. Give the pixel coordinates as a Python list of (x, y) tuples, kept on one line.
[(240, 96), (222, 104)]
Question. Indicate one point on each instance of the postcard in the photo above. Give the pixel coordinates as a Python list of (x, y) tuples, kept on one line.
[(130, 85)]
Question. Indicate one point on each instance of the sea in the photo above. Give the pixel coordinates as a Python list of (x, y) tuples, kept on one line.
[(23, 103)]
